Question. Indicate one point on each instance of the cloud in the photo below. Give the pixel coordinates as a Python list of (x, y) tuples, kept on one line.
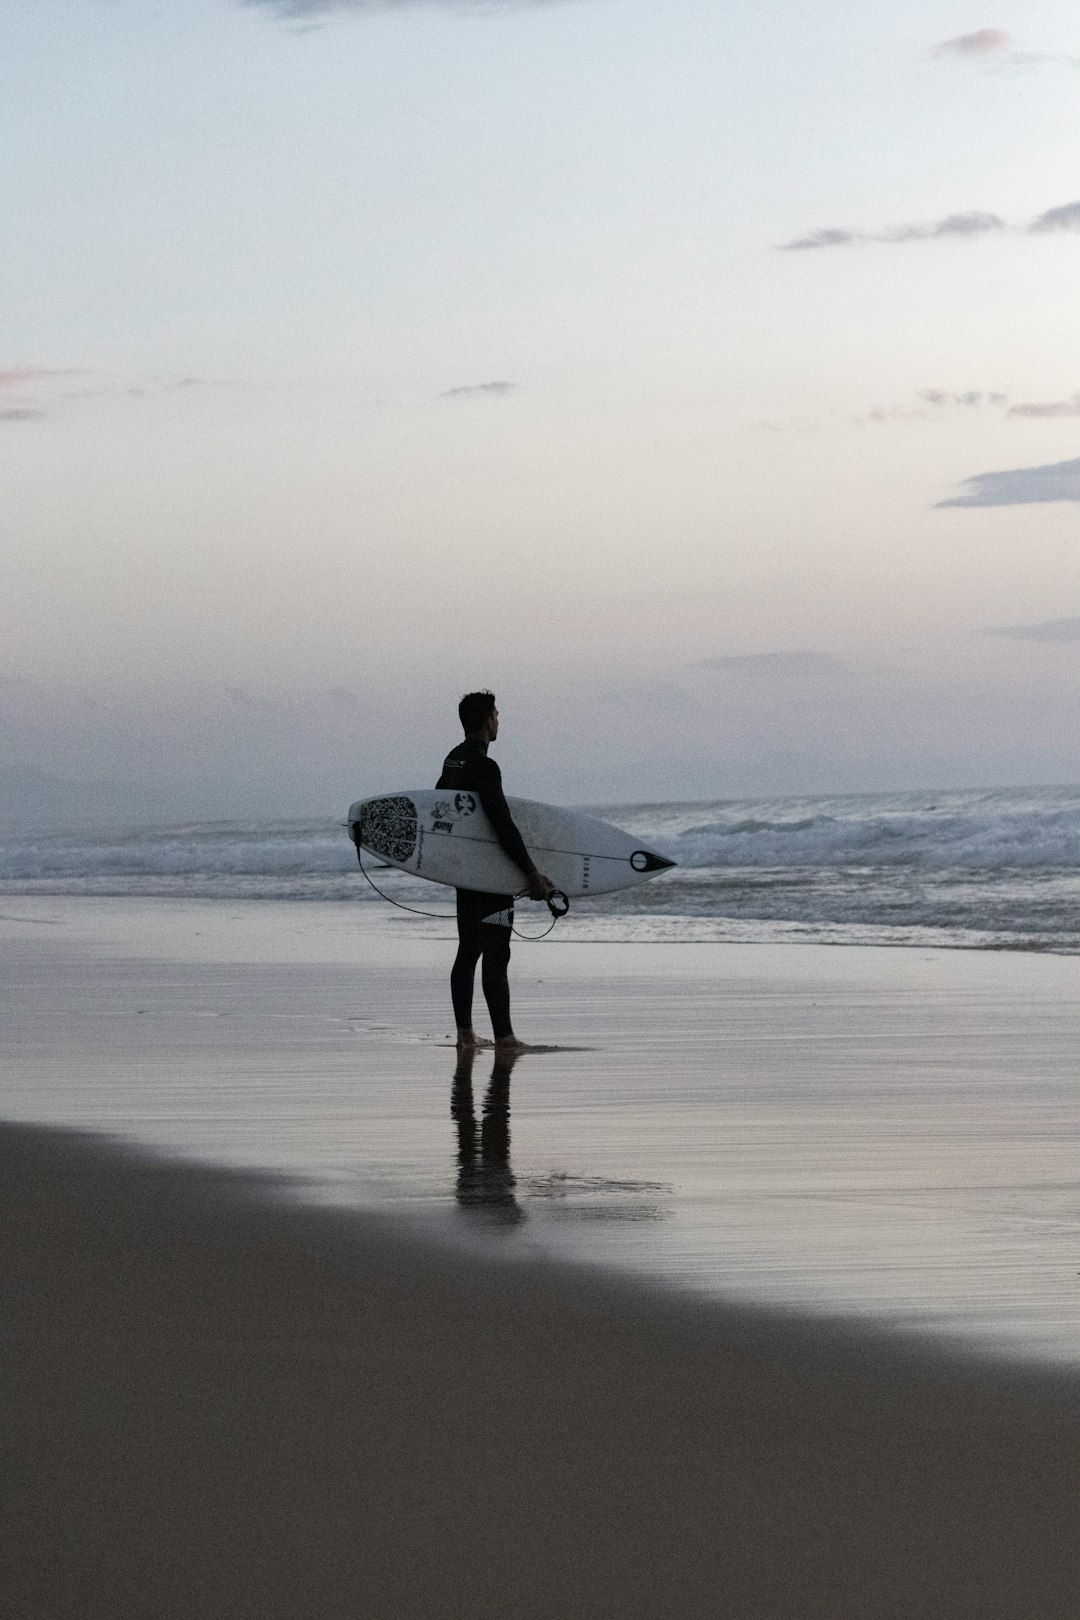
[(20, 380), (37, 398), (1021, 486), (819, 239), (970, 224), (995, 45), (1043, 630), (775, 664), (1048, 408), (973, 223), (1065, 218), (789, 424), (934, 405), (312, 12), (881, 414), (971, 399), (1023, 59), (17, 376), (984, 42), (470, 390)]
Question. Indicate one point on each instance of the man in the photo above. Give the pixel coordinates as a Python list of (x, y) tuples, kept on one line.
[(484, 920)]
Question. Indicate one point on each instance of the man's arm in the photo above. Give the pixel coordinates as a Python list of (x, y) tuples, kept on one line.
[(497, 811), (495, 807)]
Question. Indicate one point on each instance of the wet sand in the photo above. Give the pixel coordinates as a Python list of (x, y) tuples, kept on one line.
[(889, 1133), (221, 1404)]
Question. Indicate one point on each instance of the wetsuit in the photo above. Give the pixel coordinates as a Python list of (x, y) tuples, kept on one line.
[(484, 920)]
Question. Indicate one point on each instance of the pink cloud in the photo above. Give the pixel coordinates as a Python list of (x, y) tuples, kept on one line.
[(984, 42), (16, 375)]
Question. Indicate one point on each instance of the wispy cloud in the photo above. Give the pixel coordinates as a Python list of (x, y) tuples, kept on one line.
[(968, 226), (1021, 486), (19, 376), (1047, 408), (933, 405), (830, 237), (470, 390), (996, 48), (790, 424), (964, 225), (984, 42), (35, 392), (1043, 630), (972, 399), (313, 12), (21, 387), (771, 664)]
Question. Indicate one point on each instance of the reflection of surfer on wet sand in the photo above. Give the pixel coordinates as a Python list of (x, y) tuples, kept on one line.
[(485, 1180)]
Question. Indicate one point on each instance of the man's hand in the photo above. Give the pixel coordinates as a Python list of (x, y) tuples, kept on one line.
[(539, 886)]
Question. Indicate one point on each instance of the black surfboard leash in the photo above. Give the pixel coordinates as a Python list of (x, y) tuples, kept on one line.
[(449, 916)]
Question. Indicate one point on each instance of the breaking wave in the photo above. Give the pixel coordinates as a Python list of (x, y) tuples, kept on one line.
[(990, 869)]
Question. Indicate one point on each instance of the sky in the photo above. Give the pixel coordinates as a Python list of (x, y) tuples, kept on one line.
[(704, 378)]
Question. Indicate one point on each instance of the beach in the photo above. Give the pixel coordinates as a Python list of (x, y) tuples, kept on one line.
[(757, 1299)]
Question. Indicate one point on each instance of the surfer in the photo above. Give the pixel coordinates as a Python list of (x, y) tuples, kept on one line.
[(484, 921)]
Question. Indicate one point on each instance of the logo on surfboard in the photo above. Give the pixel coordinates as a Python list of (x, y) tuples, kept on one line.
[(447, 810)]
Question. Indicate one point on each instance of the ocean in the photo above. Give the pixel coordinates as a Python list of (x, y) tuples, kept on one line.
[(985, 870)]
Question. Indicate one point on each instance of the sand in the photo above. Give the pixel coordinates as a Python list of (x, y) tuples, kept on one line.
[(220, 1400), (218, 1404)]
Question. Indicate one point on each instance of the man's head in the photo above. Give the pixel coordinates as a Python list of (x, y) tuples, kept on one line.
[(479, 716)]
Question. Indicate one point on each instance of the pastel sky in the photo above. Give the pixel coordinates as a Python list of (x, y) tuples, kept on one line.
[(703, 377)]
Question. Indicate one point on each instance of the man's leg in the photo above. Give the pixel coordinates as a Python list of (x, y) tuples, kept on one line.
[(495, 934), (469, 911)]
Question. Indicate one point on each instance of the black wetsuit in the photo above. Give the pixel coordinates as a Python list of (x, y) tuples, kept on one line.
[(484, 920)]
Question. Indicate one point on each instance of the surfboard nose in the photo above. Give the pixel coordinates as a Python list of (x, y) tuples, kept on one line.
[(644, 860)]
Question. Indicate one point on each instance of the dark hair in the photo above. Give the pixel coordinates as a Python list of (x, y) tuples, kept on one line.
[(474, 709)]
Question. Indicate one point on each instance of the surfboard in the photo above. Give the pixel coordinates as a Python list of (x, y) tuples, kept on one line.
[(446, 837)]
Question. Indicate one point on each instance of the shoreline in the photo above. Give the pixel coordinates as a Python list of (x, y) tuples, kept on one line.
[(779, 937), (224, 1401)]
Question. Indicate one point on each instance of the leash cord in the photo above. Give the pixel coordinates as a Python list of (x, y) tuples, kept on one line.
[(448, 916)]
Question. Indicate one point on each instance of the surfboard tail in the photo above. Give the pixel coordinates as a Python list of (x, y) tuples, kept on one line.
[(646, 860)]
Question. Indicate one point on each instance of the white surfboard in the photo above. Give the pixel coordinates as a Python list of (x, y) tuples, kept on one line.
[(443, 835)]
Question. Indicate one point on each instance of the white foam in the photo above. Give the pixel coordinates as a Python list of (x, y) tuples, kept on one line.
[(977, 868)]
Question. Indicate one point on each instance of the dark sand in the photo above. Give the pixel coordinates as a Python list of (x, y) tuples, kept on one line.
[(221, 1405)]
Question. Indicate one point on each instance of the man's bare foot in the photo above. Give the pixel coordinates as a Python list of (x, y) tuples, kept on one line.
[(510, 1046), (510, 1043), (469, 1041)]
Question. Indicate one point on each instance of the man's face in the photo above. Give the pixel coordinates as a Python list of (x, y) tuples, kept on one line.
[(493, 725)]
